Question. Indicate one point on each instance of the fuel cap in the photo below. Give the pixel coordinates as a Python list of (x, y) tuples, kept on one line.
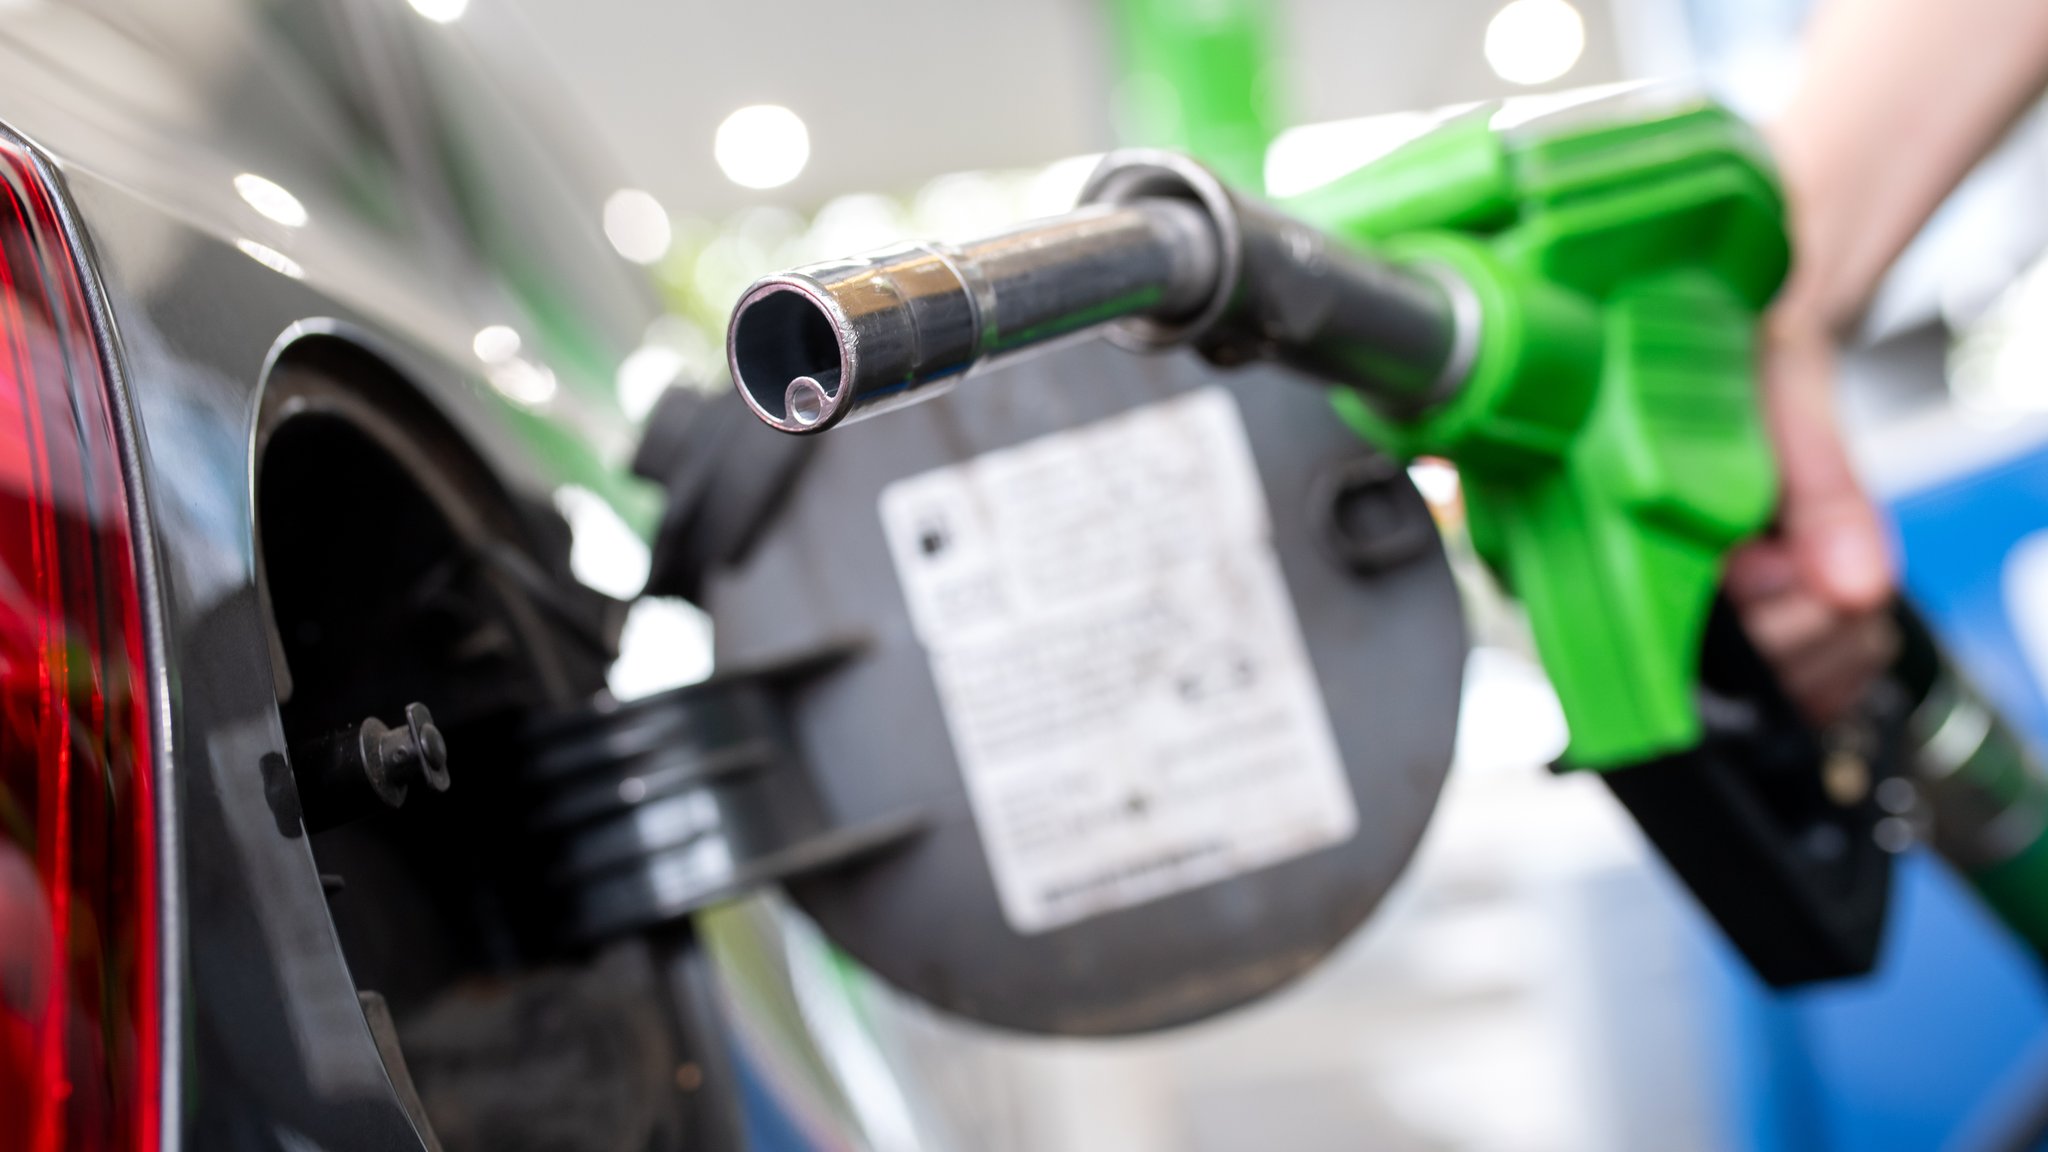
[(1164, 657)]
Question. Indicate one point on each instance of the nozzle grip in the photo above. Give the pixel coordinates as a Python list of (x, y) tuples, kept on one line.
[(1771, 824)]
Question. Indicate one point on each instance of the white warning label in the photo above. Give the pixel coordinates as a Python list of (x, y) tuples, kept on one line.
[(1121, 669)]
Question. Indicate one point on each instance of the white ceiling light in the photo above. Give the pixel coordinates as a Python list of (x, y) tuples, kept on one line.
[(1535, 41), (495, 344), (441, 11), (762, 146), (637, 225), (271, 200)]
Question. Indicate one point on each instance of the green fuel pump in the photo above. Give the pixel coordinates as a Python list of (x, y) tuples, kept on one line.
[(1567, 310)]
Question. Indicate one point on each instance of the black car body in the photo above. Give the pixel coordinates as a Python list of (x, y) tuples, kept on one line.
[(290, 221)]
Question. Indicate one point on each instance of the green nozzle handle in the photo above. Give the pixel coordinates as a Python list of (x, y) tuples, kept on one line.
[(1608, 435)]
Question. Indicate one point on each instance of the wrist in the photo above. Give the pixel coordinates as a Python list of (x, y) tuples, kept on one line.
[(1811, 300)]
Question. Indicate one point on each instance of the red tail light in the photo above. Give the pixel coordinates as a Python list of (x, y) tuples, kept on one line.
[(79, 1029)]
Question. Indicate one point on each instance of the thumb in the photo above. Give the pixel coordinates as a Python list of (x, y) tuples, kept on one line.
[(1828, 522)]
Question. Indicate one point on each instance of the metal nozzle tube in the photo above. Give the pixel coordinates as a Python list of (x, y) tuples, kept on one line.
[(818, 345), (1162, 254), (1977, 787), (1987, 792)]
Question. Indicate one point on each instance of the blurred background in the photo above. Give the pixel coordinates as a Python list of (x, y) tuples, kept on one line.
[(1537, 982)]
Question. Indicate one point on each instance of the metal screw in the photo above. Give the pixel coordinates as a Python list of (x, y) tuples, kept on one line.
[(349, 772), (396, 758)]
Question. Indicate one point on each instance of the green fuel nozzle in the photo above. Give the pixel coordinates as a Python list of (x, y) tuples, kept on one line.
[(1567, 309), (1608, 435), (1565, 313)]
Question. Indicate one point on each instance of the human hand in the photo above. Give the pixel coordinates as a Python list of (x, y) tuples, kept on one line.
[(1814, 597), (1896, 101)]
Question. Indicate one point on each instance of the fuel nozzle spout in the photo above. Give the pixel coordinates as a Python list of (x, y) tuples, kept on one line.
[(1160, 254)]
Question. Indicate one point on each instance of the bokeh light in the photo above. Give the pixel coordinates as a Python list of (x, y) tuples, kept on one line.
[(762, 146), (1535, 41)]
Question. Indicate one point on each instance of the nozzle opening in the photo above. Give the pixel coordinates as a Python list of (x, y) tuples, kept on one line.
[(786, 357), (807, 400)]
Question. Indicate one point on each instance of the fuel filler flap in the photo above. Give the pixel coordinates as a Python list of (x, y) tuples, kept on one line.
[(1162, 663)]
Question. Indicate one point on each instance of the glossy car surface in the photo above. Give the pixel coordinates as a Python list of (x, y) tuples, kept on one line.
[(301, 215)]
